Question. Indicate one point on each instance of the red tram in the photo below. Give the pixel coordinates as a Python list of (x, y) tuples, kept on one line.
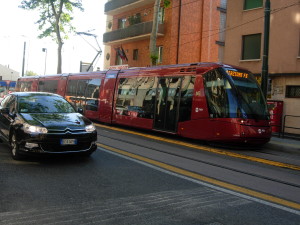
[(205, 101)]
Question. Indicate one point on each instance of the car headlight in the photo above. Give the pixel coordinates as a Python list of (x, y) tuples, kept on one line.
[(90, 128), (34, 129)]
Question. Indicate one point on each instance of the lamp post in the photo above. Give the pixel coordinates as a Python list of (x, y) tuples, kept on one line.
[(45, 50), (265, 66)]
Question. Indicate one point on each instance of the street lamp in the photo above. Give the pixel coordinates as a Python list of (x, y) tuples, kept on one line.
[(45, 50)]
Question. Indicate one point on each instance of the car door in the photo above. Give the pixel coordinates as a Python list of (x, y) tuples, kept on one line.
[(7, 108)]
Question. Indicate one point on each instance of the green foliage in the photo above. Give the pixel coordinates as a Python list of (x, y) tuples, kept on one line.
[(30, 73), (167, 3), (154, 58), (55, 20), (55, 16)]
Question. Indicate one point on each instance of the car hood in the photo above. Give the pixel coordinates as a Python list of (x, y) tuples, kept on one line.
[(57, 121)]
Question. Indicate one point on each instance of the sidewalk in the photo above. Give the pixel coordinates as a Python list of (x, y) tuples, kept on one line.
[(285, 143)]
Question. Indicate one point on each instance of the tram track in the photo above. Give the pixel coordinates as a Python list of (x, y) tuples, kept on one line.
[(183, 156), (210, 149)]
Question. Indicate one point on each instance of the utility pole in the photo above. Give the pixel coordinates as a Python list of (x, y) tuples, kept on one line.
[(265, 62), (23, 64)]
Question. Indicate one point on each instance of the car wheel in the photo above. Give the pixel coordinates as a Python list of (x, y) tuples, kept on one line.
[(14, 147)]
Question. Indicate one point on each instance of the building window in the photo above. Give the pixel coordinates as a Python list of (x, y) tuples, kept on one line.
[(251, 46), (292, 92), (252, 4), (135, 54), (160, 54), (135, 19), (122, 23)]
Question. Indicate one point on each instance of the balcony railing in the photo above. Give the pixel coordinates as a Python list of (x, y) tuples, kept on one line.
[(118, 6), (131, 33)]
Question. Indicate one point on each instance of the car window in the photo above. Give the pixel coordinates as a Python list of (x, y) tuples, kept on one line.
[(44, 104), (9, 102), (4, 101)]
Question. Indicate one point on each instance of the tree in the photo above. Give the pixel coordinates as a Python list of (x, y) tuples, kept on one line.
[(30, 73), (55, 20), (153, 49)]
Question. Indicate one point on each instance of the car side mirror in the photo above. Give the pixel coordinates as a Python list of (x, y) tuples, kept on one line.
[(12, 115), (80, 110)]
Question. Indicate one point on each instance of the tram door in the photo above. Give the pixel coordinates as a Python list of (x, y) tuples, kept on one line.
[(167, 104)]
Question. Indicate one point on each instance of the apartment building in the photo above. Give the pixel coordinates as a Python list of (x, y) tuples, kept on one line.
[(189, 31), (8, 74), (244, 47)]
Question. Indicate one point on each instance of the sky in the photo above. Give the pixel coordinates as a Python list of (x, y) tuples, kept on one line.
[(18, 26)]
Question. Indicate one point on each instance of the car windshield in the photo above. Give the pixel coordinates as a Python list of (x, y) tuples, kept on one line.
[(43, 104)]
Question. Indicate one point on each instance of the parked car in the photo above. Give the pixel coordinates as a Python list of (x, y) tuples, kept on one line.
[(44, 123)]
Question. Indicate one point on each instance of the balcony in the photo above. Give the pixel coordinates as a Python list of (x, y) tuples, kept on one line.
[(114, 7), (134, 32)]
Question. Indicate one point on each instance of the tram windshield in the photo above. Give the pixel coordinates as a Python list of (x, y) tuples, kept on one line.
[(250, 96), (234, 94)]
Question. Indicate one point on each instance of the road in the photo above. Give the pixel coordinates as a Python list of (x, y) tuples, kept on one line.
[(140, 177)]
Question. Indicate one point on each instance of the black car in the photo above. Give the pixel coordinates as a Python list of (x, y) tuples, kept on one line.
[(39, 122)]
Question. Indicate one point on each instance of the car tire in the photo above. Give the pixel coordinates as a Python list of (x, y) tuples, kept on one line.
[(14, 147)]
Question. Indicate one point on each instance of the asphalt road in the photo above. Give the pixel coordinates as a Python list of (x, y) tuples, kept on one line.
[(108, 188)]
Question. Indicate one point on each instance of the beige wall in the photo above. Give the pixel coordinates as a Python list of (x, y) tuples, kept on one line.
[(283, 49), (291, 105), (8, 74), (284, 35)]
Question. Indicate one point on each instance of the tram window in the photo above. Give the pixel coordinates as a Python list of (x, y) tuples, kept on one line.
[(92, 94), (71, 88), (81, 87), (216, 94), (149, 88), (26, 86), (132, 94), (41, 86), (71, 92), (48, 86), (126, 90), (93, 88), (186, 99)]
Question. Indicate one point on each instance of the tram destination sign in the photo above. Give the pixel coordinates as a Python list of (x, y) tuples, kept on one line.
[(237, 74)]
